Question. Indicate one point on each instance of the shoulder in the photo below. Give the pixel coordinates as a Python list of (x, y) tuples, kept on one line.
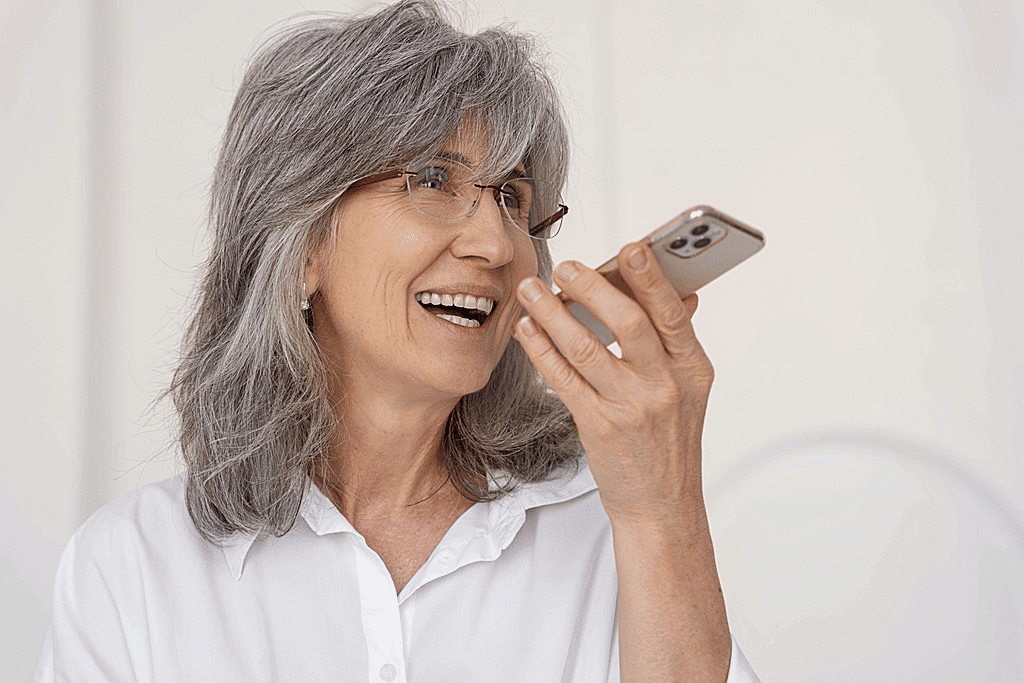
[(137, 529), (147, 510), (566, 507)]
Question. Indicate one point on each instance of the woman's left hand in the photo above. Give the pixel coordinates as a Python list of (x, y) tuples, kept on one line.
[(639, 417)]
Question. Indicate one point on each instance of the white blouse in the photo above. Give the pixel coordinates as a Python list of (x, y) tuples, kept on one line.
[(520, 589)]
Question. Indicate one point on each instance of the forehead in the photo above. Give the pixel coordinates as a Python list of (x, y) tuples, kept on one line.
[(469, 146)]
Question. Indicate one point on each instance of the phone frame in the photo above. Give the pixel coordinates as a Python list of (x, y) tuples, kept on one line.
[(734, 241)]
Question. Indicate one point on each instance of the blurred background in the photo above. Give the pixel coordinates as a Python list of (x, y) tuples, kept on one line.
[(863, 445)]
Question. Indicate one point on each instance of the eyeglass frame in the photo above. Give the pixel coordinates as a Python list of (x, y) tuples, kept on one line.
[(394, 174)]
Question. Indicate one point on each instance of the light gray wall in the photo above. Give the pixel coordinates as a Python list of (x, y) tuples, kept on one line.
[(862, 452)]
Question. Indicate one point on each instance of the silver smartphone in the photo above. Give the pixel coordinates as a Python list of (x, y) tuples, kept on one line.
[(692, 249)]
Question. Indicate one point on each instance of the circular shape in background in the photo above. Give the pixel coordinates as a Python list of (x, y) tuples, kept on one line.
[(859, 558)]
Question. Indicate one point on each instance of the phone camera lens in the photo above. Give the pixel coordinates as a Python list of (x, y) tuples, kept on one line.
[(699, 230), (678, 244), (702, 242)]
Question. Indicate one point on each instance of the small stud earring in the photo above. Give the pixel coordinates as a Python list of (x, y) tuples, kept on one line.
[(304, 305)]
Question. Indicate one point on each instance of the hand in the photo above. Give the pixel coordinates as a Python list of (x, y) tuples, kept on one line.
[(639, 417)]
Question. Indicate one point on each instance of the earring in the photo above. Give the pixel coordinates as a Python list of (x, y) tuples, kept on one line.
[(304, 304)]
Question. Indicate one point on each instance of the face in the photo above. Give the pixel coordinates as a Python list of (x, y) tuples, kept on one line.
[(375, 317)]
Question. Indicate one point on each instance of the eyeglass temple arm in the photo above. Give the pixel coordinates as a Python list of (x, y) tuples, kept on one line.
[(378, 178), (556, 216)]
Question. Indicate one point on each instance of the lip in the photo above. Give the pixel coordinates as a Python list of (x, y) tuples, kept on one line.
[(495, 294)]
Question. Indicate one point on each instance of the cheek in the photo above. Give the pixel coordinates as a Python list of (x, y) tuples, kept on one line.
[(526, 262), (412, 241)]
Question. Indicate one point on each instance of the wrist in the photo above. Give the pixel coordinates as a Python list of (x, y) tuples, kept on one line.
[(663, 525)]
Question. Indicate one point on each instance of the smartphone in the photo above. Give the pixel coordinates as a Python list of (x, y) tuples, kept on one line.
[(692, 249)]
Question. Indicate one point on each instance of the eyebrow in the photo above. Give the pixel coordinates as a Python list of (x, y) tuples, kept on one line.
[(458, 158)]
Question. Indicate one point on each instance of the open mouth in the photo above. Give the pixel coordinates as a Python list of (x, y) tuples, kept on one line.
[(462, 309)]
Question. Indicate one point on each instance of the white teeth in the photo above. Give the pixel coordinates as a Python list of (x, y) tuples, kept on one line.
[(460, 300), (465, 322)]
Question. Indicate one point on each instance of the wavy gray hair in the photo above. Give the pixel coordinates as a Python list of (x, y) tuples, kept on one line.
[(324, 103)]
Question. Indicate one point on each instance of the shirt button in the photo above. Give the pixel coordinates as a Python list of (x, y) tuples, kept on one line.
[(388, 672)]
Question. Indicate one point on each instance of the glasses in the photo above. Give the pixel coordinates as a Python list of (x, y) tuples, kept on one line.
[(444, 188)]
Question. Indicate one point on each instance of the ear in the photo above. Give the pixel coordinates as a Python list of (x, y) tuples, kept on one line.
[(313, 273)]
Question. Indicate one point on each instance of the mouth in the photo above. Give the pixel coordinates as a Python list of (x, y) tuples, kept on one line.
[(466, 310)]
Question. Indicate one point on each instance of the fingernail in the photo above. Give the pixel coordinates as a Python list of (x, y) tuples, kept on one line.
[(638, 260), (567, 271), (527, 326), (530, 289)]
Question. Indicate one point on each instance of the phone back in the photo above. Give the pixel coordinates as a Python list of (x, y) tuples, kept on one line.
[(692, 249)]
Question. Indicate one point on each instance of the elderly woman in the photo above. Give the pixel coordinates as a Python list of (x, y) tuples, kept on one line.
[(405, 459)]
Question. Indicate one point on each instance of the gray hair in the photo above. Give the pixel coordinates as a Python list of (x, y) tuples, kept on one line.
[(323, 103)]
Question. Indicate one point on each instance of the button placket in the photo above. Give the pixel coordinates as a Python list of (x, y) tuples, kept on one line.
[(380, 613)]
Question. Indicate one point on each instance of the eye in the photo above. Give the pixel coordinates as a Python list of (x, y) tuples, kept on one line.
[(433, 177), (515, 196), (509, 197)]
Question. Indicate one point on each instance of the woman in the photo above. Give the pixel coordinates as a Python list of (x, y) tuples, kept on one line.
[(379, 486)]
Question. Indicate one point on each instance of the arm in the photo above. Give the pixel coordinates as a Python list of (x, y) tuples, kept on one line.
[(640, 420)]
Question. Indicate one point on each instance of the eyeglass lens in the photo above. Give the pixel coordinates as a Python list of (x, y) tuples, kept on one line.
[(444, 188)]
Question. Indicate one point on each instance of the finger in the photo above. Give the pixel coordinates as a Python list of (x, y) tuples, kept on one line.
[(625, 318), (691, 302), (578, 345), (552, 365), (669, 312)]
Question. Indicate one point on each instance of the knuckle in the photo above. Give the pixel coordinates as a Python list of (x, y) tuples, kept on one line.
[(586, 351), (561, 376), (700, 373), (605, 429), (556, 374), (665, 398), (675, 317), (633, 324), (588, 286), (707, 373), (590, 283)]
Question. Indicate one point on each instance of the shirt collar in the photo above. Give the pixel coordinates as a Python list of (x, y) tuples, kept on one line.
[(236, 548), (506, 513), (566, 485)]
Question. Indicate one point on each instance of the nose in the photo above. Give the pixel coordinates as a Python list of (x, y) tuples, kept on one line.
[(485, 233)]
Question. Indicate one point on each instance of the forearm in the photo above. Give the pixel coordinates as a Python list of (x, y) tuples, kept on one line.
[(672, 620)]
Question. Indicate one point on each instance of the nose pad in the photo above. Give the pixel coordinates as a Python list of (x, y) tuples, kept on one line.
[(502, 213), (476, 202)]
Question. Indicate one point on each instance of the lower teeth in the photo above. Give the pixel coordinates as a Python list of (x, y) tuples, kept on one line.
[(465, 322)]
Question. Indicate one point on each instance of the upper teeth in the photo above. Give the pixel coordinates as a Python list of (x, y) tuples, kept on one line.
[(469, 301)]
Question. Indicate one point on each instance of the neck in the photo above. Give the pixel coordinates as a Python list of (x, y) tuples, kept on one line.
[(387, 456)]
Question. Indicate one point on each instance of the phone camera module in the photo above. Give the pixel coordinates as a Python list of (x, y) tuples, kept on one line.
[(694, 240)]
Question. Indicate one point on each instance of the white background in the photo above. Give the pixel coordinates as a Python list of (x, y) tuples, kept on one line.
[(863, 446)]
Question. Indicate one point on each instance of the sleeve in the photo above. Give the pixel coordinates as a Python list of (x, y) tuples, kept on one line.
[(740, 670), (93, 634)]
